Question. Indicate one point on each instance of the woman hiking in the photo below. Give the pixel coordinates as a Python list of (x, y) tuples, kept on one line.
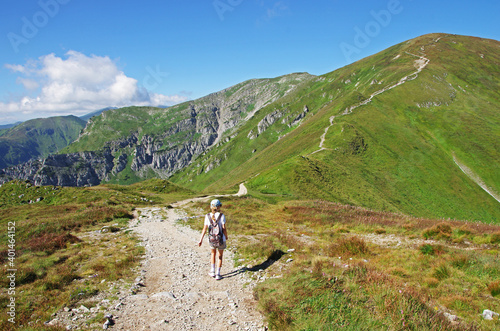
[(215, 223)]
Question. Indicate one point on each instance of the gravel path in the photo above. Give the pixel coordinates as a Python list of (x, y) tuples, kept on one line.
[(178, 293)]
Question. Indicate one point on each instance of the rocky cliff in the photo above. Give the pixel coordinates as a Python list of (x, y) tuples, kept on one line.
[(77, 169), (154, 141)]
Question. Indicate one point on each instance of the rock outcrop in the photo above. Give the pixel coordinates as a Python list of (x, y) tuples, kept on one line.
[(77, 169), (165, 145)]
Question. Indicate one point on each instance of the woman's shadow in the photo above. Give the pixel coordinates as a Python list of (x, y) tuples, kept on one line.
[(275, 256)]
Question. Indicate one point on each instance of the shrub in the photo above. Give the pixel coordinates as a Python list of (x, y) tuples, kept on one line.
[(348, 246), (495, 238), (460, 260), (398, 271), (458, 302), (438, 231), (26, 276), (319, 263), (428, 249), (432, 282), (342, 229), (441, 272), (494, 288), (50, 242), (464, 230)]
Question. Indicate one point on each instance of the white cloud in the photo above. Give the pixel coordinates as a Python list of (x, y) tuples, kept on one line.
[(29, 84), (77, 84)]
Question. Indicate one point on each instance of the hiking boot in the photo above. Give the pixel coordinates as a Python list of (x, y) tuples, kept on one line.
[(218, 277), (211, 273)]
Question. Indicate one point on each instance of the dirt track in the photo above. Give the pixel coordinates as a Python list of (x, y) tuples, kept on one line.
[(178, 293)]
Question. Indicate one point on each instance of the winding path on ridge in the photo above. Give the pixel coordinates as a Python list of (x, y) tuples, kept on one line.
[(178, 293), (420, 64)]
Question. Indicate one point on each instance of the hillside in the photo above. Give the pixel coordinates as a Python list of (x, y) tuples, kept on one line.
[(391, 126), (412, 129), (37, 138)]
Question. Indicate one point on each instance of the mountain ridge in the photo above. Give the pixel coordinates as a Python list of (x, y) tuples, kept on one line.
[(377, 133)]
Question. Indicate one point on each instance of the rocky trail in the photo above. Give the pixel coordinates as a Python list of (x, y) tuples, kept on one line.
[(175, 291)]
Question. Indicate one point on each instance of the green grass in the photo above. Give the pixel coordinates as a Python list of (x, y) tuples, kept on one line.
[(394, 154), (339, 278), (60, 258), (38, 138)]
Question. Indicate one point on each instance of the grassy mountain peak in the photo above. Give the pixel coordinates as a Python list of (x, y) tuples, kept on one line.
[(380, 133)]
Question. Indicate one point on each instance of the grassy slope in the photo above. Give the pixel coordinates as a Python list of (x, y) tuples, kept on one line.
[(234, 102), (407, 165), (38, 138), (358, 269), (116, 124), (57, 248)]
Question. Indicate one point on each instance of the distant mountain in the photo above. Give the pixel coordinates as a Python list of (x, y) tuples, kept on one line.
[(8, 126), (37, 138), (412, 129), (49, 136), (95, 113)]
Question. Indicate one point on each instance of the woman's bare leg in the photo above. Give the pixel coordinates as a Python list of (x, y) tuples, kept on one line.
[(219, 262), (212, 256)]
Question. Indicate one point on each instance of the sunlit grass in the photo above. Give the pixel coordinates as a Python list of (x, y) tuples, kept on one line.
[(62, 257), (360, 269)]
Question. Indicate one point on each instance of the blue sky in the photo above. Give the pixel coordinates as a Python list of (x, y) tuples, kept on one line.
[(61, 57)]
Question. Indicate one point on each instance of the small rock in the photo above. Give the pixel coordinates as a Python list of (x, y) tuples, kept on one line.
[(450, 317), (291, 250), (289, 260), (231, 322), (66, 309), (164, 295), (83, 309), (488, 314)]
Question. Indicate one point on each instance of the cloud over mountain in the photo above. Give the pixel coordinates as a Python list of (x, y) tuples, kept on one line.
[(76, 84)]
